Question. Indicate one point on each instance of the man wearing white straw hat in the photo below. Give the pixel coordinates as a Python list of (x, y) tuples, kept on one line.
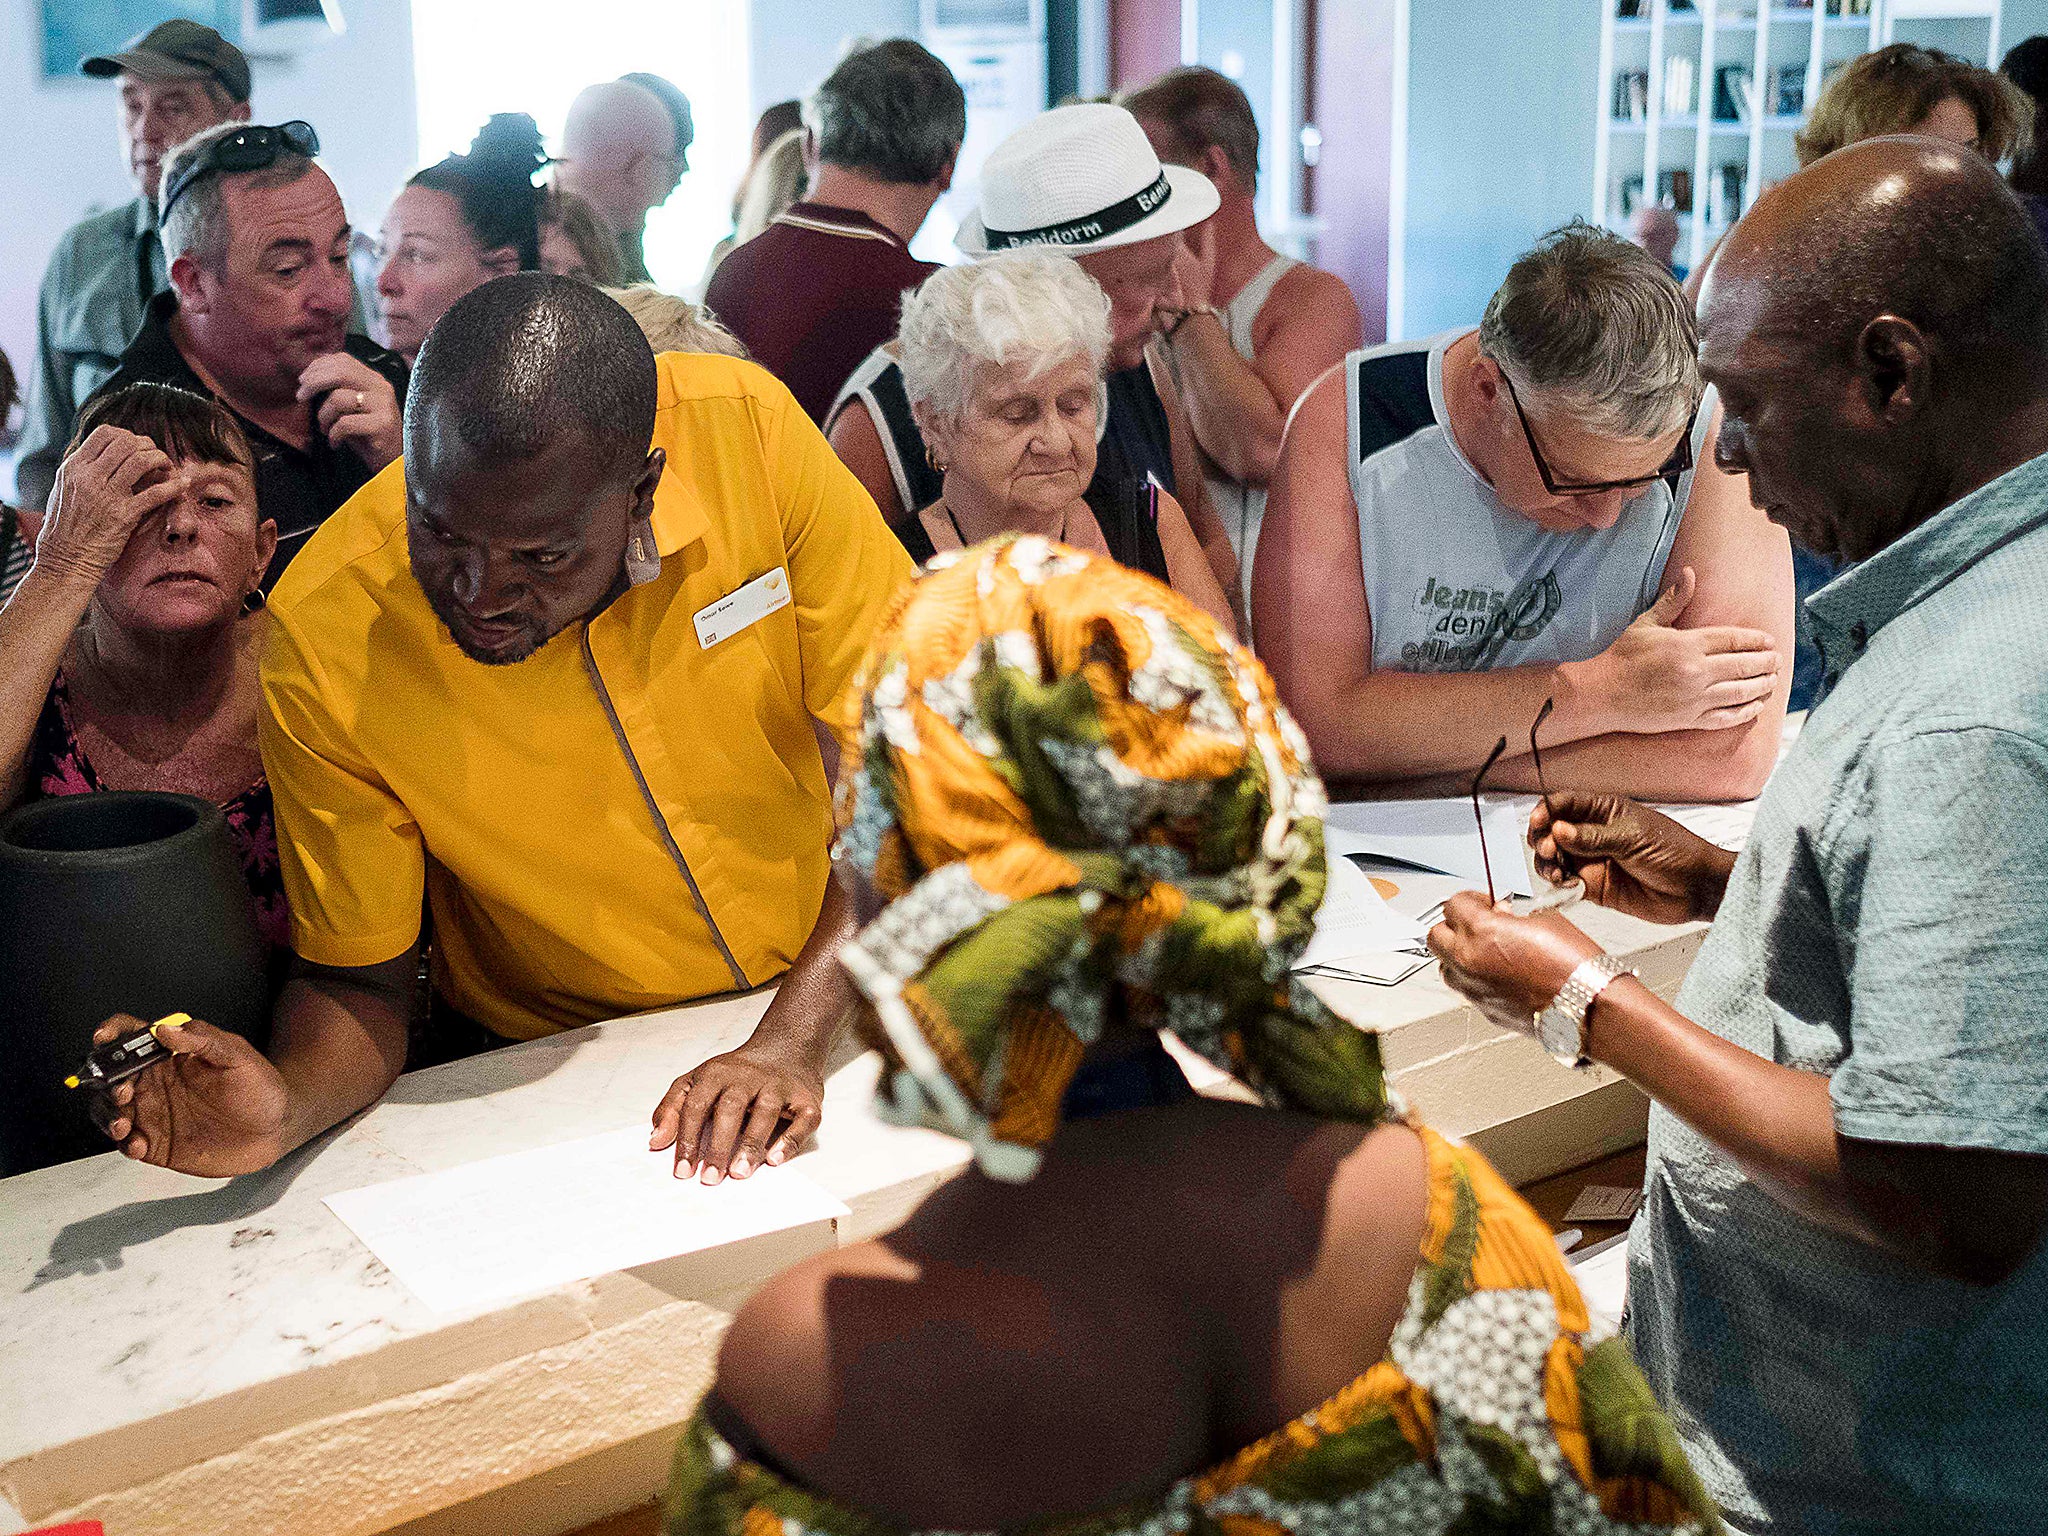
[(1085, 180)]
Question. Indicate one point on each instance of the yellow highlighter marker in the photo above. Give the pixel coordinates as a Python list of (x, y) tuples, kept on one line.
[(119, 1060)]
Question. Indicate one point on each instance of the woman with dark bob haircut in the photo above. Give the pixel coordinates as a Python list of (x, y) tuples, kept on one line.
[(128, 653)]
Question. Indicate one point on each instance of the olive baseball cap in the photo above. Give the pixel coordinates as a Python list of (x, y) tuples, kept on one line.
[(176, 50)]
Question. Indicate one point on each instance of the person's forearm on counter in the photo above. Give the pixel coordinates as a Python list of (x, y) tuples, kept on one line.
[(1966, 1213), (338, 1040), (815, 995), (1676, 765)]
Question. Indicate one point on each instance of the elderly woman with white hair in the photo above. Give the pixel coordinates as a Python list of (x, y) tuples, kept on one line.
[(1002, 360)]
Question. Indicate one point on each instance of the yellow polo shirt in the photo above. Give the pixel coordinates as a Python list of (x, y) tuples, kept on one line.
[(627, 819)]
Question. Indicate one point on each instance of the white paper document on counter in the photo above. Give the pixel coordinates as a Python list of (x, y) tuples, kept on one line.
[(1440, 835), (1358, 936), (531, 1221)]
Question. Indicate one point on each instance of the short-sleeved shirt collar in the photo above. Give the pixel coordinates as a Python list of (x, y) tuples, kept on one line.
[(679, 519), (1853, 607)]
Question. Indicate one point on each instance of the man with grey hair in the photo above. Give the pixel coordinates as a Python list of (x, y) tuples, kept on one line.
[(1522, 522), (175, 79), (257, 316), (818, 290)]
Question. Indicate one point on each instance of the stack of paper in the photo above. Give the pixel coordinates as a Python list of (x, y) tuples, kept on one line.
[(1358, 936), (531, 1221)]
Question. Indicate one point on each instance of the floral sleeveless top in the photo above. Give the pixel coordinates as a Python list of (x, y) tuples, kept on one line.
[(57, 765)]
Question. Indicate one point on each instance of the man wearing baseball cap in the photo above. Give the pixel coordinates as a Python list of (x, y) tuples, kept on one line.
[(175, 79), (1085, 180)]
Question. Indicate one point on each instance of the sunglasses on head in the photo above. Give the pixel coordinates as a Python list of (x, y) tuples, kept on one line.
[(246, 149), (1679, 462)]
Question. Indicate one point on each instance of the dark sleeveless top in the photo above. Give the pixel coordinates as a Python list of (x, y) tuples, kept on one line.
[(1128, 517), (1136, 446)]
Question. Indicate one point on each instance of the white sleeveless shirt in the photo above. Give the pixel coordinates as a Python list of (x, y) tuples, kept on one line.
[(1455, 581)]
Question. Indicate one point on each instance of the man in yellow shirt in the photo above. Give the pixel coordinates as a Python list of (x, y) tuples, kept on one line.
[(562, 689)]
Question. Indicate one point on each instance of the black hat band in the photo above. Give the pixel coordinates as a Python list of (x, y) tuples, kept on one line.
[(1112, 220)]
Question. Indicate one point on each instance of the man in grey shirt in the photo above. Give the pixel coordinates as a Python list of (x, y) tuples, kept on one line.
[(1837, 1283), (175, 79)]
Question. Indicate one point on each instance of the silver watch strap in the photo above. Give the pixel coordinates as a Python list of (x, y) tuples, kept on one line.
[(1561, 1027)]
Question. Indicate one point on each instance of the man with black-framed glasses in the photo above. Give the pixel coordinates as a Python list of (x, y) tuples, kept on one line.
[(257, 316), (1465, 526)]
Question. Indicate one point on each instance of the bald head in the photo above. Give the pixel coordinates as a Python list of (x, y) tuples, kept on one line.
[(622, 150), (1877, 327), (1911, 227)]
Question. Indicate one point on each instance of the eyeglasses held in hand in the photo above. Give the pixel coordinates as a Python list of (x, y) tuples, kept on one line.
[(1679, 462), (1479, 820), (246, 149), (1564, 895)]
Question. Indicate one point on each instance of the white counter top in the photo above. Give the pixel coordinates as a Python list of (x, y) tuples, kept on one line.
[(206, 1357)]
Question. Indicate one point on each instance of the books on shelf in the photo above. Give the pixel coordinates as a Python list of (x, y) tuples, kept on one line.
[(1734, 94), (1848, 7), (1790, 99), (1725, 190), (1674, 191), (1632, 96), (1680, 72)]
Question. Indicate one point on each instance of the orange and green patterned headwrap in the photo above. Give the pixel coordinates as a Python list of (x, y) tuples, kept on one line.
[(1075, 793)]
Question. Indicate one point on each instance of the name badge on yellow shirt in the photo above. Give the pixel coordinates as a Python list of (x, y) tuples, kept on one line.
[(749, 605)]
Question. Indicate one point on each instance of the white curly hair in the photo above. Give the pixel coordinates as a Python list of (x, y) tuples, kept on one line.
[(1035, 306)]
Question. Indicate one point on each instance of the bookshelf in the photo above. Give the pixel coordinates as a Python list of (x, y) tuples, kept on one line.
[(1699, 99)]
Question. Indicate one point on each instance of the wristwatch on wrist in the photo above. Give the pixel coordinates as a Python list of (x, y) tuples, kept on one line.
[(1561, 1027)]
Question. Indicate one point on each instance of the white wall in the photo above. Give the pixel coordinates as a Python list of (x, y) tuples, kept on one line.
[(796, 43), (61, 162), (1500, 143)]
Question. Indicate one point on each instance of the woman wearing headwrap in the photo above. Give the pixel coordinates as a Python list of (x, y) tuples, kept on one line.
[(1072, 814)]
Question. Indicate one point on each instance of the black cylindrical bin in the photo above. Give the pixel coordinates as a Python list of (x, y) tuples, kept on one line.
[(111, 903)]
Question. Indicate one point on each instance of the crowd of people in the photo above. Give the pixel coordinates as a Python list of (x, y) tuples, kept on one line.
[(957, 647)]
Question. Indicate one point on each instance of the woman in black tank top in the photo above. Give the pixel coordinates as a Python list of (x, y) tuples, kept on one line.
[(1136, 442), (991, 416)]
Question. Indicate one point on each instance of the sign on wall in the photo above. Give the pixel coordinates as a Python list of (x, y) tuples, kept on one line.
[(78, 29)]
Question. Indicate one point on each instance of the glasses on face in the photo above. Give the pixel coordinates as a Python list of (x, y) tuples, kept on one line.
[(1679, 462), (246, 149)]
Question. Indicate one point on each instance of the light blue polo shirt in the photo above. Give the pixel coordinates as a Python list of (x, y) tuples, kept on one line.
[(1887, 925)]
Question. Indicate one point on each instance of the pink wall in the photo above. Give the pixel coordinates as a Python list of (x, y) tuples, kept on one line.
[(1144, 40), (1352, 101)]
